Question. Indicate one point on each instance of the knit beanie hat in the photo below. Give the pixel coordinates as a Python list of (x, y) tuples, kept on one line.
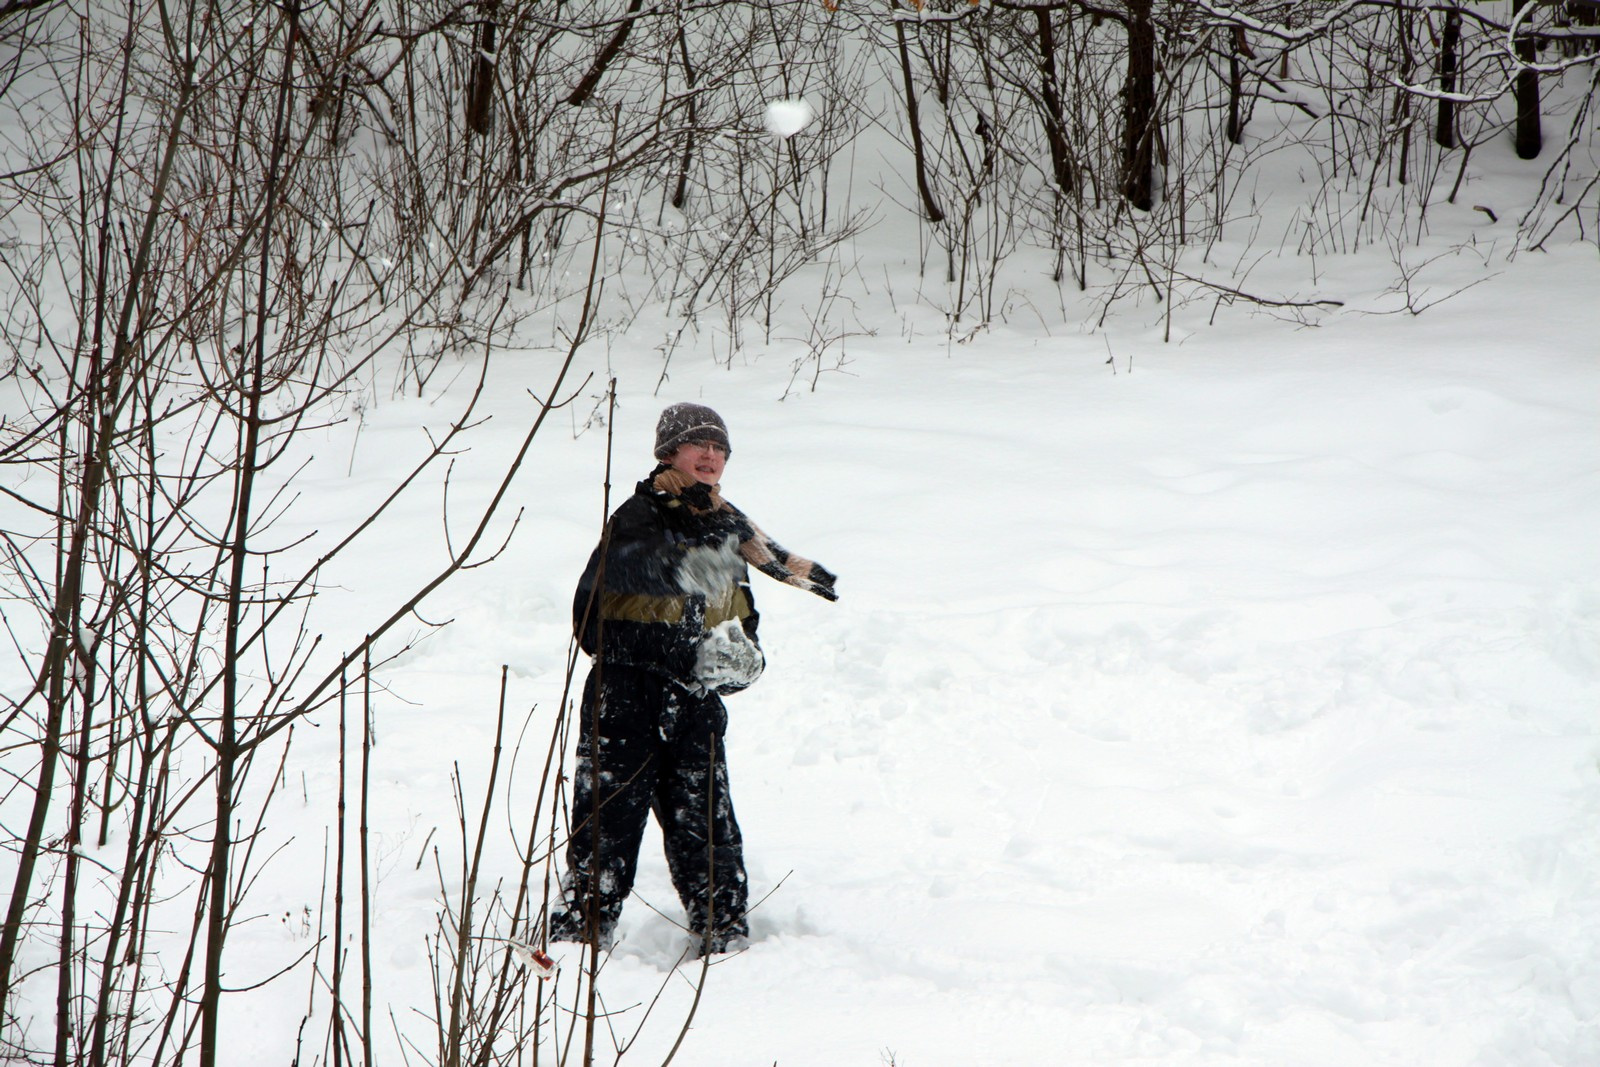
[(682, 423)]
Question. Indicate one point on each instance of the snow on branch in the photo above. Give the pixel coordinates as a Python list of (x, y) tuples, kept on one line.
[(1517, 29), (1287, 34), (1430, 93)]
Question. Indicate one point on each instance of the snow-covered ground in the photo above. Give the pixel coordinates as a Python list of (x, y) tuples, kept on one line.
[(1227, 699), (1232, 701)]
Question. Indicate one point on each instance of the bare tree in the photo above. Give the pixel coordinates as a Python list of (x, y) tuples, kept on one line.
[(226, 296)]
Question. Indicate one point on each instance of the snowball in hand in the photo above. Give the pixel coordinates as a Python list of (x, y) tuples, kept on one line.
[(785, 118), (726, 659)]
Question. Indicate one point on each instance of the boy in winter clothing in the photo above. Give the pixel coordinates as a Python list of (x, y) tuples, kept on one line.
[(664, 607)]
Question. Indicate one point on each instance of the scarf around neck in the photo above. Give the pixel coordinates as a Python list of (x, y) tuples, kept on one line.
[(758, 550)]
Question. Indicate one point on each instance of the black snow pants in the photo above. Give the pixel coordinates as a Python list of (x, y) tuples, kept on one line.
[(659, 749)]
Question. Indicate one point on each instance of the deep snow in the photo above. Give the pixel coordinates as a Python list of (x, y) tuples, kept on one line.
[(1229, 701), (1233, 703)]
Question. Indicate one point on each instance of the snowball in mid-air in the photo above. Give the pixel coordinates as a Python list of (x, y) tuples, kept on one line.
[(785, 118)]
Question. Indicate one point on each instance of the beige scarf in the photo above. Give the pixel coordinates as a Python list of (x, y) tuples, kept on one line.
[(758, 550)]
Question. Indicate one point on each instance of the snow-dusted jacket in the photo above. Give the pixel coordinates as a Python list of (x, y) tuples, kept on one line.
[(671, 573)]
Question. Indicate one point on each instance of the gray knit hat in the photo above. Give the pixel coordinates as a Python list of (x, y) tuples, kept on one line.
[(682, 423)]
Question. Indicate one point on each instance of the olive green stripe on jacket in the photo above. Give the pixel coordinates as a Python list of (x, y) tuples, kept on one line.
[(643, 607)]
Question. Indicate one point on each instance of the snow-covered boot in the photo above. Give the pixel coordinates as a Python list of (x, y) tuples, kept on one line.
[(733, 937), (569, 926)]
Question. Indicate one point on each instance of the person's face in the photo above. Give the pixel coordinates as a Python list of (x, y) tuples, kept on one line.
[(701, 460)]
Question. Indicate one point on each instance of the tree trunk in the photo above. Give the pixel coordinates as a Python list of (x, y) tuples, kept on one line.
[(930, 206), (1139, 108), (680, 193), (1241, 47), (1061, 167), (1444, 129), (1402, 103), (480, 97), (613, 47), (1529, 137)]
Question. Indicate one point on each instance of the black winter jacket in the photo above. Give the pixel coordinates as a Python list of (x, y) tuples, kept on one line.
[(669, 576)]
